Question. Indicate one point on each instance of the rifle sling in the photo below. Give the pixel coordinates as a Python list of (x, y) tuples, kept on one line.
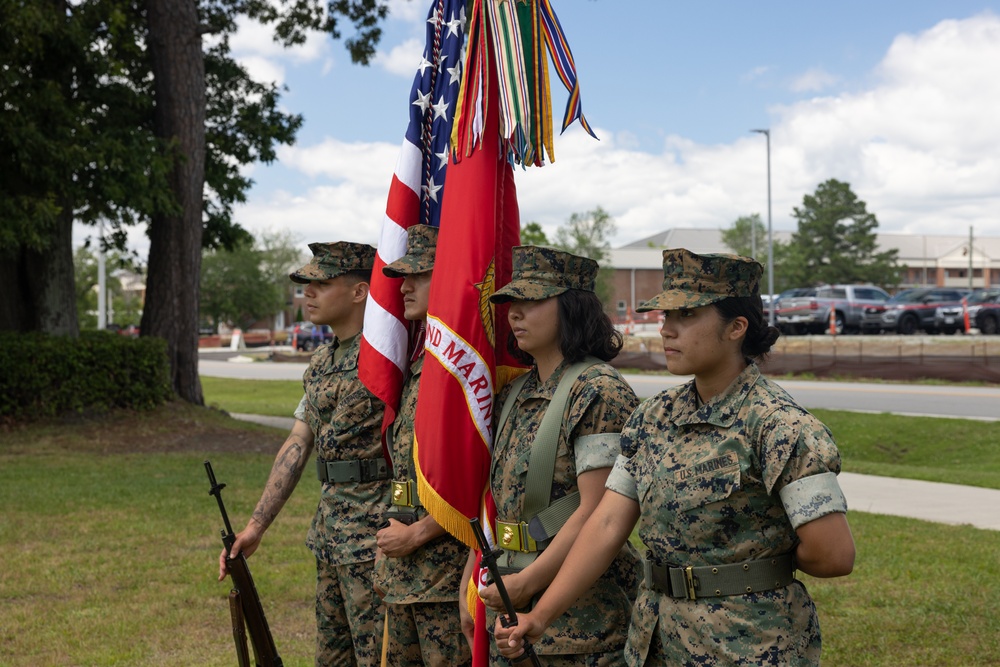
[(537, 509)]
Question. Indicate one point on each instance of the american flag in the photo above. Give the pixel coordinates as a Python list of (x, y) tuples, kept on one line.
[(415, 197)]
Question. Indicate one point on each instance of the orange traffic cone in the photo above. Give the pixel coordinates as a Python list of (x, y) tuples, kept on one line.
[(833, 322)]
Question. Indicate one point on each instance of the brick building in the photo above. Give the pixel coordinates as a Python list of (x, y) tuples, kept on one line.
[(930, 260)]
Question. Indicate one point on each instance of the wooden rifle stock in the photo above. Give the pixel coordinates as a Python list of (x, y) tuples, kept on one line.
[(264, 651), (239, 628)]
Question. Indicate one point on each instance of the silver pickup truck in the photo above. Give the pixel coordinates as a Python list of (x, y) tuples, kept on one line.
[(812, 314)]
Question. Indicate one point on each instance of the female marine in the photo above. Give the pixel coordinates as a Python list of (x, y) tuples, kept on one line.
[(733, 486), (556, 441)]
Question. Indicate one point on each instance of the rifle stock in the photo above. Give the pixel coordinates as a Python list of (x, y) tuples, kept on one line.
[(239, 628), (264, 651), (488, 560)]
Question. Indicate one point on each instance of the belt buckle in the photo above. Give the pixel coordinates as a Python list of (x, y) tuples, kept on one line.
[(689, 583), (401, 493), (514, 536)]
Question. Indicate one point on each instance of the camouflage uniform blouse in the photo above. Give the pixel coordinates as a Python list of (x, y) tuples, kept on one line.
[(346, 422), (433, 572), (600, 402), (707, 480)]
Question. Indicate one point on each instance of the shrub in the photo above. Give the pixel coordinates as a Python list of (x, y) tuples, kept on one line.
[(45, 376)]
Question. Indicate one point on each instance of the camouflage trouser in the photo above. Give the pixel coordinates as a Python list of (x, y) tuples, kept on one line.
[(348, 616), (425, 634)]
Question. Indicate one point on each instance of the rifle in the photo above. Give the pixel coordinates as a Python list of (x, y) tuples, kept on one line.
[(246, 604), (489, 561)]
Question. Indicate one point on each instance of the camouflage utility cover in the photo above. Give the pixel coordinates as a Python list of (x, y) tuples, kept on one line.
[(333, 259), (539, 273), (691, 280), (707, 480), (600, 402), (421, 247)]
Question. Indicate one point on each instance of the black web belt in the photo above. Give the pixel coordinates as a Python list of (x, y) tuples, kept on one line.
[(692, 583), (360, 470)]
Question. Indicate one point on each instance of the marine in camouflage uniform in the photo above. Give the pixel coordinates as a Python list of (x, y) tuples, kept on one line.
[(346, 421), (420, 590), (721, 483), (342, 421), (593, 631)]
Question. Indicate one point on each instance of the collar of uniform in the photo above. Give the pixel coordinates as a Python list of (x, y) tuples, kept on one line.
[(722, 409), (536, 389), (343, 354)]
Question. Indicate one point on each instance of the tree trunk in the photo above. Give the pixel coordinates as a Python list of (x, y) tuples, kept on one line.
[(171, 310), (38, 290)]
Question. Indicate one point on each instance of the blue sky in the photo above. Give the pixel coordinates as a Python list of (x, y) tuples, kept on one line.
[(899, 98)]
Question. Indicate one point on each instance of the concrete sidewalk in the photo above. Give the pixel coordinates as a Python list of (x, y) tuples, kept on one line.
[(930, 501)]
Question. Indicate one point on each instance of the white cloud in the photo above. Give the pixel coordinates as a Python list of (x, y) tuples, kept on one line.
[(254, 47), (813, 81), (756, 73), (262, 69), (407, 11), (402, 59), (918, 146)]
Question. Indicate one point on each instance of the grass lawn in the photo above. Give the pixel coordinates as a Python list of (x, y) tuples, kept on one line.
[(109, 542), (938, 450)]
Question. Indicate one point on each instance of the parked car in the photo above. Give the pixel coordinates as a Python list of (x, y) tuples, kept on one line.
[(988, 318), (847, 303), (307, 336), (951, 318), (912, 310), (784, 296)]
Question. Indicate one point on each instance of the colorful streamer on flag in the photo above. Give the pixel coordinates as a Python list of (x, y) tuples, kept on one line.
[(521, 33), (415, 196)]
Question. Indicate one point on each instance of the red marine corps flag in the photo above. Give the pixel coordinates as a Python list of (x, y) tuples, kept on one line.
[(503, 116)]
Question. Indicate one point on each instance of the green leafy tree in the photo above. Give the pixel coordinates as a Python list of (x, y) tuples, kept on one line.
[(250, 282), (738, 237), (588, 235), (533, 234), (125, 305), (235, 290), (119, 110), (836, 241)]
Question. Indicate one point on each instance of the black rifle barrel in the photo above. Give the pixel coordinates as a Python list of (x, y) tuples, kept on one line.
[(488, 559)]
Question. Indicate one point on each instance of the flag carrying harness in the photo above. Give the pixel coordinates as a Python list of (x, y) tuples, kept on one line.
[(541, 518)]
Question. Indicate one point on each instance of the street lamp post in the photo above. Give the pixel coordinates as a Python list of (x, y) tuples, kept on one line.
[(770, 233)]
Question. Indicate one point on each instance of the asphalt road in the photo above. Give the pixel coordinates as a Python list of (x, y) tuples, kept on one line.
[(904, 399)]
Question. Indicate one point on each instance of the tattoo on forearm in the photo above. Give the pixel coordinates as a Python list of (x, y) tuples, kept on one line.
[(285, 475)]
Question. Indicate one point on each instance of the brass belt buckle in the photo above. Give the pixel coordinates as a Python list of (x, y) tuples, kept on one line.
[(401, 493), (689, 584), (514, 537)]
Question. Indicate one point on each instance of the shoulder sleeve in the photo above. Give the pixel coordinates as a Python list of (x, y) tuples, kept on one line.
[(300, 411), (792, 444), (600, 404), (620, 480)]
